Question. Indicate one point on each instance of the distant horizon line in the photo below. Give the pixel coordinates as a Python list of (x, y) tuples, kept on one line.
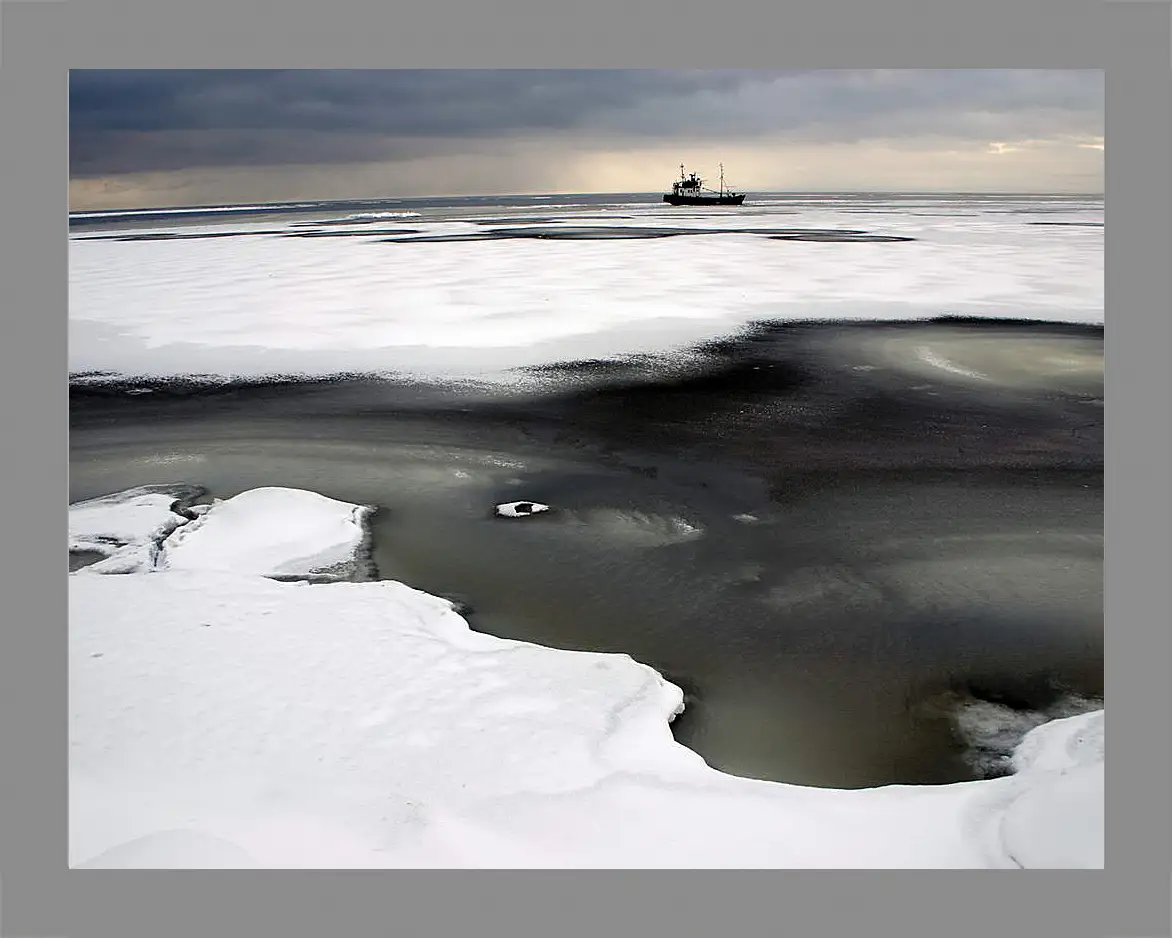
[(531, 195)]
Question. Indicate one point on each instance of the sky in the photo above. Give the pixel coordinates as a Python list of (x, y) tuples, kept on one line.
[(161, 138)]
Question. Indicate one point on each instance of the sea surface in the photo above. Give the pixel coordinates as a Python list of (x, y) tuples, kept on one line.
[(831, 462)]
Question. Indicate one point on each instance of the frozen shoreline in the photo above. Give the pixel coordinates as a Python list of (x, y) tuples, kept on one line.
[(211, 709)]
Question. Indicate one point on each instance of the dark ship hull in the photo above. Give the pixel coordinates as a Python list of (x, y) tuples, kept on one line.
[(690, 190), (704, 199)]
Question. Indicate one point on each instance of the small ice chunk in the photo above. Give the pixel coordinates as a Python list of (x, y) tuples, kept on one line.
[(519, 509)]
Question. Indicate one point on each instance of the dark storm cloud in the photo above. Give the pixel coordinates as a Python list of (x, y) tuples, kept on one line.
[(166, 120), (398, 101), (173, 119)]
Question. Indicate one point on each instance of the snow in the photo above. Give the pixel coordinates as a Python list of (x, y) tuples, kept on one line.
[(1057, 821), (267, 304), (1038, 829), (223, 719), (158, 850), (270, 532), (1060, 745)]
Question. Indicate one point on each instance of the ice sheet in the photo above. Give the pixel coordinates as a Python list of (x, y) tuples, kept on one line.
[(269, 304), (134, 212)]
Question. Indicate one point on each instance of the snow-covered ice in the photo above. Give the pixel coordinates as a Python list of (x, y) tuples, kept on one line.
[(271, 532), (224, 719), (265, 304), (126, 527)]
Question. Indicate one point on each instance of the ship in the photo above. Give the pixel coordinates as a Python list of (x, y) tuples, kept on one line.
[(690, 190)]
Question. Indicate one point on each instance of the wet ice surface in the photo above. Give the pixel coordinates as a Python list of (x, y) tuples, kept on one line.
[(220, 720)]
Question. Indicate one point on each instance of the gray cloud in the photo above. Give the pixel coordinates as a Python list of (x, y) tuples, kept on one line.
[(158, 121), (844, 107)]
